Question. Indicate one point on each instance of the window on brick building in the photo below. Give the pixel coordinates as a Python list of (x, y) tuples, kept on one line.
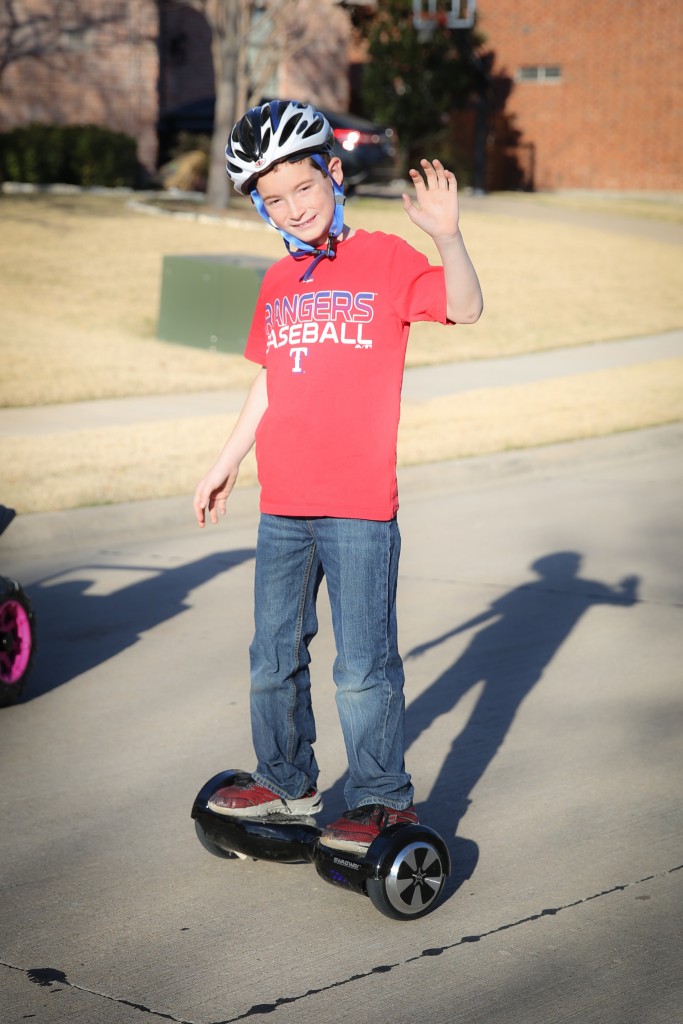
[(76, 38), (539, 73)]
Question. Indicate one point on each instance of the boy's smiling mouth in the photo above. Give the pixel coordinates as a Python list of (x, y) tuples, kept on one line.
[(306, 223)]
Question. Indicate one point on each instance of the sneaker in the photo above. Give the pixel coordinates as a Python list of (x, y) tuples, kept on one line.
[(356, 829), (245, 798)]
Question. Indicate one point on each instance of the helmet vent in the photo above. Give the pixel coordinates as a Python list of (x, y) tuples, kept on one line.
[(289, 128), (250, 144), (314, 128)]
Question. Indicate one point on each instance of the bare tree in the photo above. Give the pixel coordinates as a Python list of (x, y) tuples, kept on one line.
[(250, 39), (23, 35)]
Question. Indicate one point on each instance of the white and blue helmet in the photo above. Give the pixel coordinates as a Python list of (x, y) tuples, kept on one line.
[(276, 131)]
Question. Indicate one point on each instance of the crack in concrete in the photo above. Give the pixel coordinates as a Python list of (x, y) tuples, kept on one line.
[(46, 976)]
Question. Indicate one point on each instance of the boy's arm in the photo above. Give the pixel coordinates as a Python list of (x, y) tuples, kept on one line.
[(437, 212), (213, 491)]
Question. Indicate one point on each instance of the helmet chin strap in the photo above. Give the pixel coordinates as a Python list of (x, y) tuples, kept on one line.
[(303, 249)]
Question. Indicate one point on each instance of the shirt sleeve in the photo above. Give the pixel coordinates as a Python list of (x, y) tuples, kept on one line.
[(257, 339), (418, 288)]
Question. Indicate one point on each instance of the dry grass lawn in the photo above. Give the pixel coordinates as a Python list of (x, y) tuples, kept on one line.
[(80, 281), (79, 291)]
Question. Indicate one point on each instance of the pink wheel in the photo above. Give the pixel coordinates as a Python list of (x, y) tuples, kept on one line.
[(17, 640)]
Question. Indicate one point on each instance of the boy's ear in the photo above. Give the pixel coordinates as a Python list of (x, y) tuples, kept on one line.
[(336, 169)]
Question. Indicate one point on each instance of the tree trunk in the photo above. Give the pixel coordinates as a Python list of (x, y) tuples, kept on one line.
[(287, 32), (230, 24), (218, 187)]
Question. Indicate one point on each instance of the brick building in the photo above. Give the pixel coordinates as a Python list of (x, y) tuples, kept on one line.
[(590, 94), (583, 95), (123, 63)]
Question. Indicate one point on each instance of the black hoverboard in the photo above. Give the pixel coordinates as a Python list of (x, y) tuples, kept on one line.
[(402, 873)]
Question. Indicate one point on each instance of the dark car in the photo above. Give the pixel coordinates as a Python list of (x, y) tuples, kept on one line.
[(367, 150)]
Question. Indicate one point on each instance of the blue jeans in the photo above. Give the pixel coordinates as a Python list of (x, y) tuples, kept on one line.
[(359, 559)]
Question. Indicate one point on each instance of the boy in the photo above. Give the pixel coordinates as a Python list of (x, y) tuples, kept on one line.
[(329, 335)]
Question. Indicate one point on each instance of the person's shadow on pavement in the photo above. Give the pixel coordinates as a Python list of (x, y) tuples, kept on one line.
[(523, 630), (78, 630)]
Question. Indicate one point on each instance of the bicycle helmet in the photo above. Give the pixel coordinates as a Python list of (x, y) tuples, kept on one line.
[(277, 131)]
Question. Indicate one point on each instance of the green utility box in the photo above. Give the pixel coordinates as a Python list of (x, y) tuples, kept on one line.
[(208, 301)]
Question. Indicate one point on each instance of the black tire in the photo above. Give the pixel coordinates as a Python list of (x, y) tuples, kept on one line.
[(210, 847), (17, 640), (412, 884)]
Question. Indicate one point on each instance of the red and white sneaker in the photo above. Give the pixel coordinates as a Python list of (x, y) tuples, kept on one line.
[(356, 829), (245, 798)]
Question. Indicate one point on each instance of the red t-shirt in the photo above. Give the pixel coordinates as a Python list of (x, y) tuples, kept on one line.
[(334, 349)]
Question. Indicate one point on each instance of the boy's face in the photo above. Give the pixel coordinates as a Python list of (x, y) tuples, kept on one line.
[(300, 199)]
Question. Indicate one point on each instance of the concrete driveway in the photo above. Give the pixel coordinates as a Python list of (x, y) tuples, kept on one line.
[(541, 622)]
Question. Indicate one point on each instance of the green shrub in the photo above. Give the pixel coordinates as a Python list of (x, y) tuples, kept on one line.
[(69, 154)]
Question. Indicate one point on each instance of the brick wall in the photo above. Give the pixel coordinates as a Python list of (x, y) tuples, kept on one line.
[(101, 68), (614, 117)]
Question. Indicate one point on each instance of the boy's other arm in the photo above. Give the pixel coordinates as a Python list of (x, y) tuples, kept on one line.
[(436, 211), (213, 491)]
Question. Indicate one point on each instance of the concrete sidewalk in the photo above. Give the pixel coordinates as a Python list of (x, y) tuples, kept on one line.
[(541, 613), (420, 383)]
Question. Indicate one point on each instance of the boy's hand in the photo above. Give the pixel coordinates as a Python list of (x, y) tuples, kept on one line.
[(436, 210), (212, 494)]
